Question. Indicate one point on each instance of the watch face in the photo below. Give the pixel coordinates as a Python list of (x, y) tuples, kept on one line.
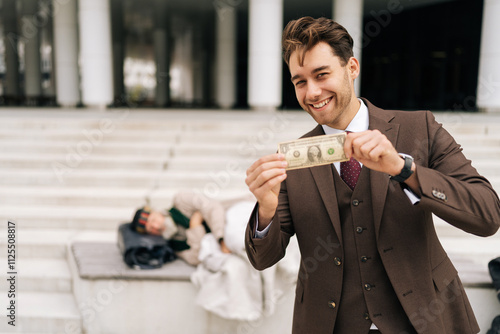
[(404, 156)]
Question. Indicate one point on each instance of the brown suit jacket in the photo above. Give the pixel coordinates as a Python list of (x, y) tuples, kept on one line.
[(419, 269)]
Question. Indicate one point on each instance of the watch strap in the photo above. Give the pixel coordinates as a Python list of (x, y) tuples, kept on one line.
[(406, 172)]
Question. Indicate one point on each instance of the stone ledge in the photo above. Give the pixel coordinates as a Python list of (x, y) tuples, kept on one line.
[(103, 260), (113, 298), (99, 271)]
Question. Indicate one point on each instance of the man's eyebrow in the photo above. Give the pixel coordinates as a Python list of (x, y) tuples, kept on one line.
[(321, 68), (296, 76), (316, 70)]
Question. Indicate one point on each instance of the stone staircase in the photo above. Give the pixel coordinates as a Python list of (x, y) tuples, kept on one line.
[(70, 175)]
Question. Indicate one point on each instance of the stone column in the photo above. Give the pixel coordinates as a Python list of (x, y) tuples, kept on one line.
[(30, 29), (10, 39), (66, 53), (225, 57), (187, 64), (488, 89), (160, 40), (95, 53), (350, 15), (264, 55)]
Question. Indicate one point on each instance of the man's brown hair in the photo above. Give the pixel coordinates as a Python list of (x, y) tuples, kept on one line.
[(303, 34)]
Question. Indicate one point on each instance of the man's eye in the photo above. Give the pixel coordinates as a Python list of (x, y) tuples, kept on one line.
[(298, 83), (322, 75)]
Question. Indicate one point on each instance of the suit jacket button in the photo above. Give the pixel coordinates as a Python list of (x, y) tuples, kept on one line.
[(439, 195), (368, 287), (337, 261), (364, 259), (366, 316), (359, 229), (331, 304), (355, 202)]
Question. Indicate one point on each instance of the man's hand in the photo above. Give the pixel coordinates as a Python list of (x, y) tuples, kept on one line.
[(376, 152), (373, 150), (223, 247), (195, 220), (263, 179)]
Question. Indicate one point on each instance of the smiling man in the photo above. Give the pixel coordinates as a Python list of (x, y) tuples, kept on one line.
[(371, 261)]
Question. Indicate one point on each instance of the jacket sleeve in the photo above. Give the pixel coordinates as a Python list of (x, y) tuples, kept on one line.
[(264, 253), (452, 189)]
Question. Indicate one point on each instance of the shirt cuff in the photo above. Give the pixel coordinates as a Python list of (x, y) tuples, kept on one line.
[(260, 234), (414, 198)]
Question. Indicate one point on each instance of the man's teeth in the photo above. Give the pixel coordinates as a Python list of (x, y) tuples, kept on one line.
[(321, 104)]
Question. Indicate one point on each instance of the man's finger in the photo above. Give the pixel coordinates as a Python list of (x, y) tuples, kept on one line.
[(263, 168), (348, 145), (265, 159), (349, 142), (262, 178)]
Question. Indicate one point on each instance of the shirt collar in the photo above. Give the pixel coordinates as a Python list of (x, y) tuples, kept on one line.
[(359, 123)]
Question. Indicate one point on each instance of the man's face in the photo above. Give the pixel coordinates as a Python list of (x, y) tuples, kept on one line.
[(156, 223), (324, 88)]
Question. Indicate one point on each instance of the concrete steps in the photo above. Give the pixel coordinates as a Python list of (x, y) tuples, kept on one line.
[(20, 161), (44, 284), (45, 312), (44, 275), (50, 243), (90, 197), (76, 175), (78, 208), (25, 195), (127, 179)]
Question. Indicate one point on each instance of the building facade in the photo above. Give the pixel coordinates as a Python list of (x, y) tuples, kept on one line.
[(432, 54)]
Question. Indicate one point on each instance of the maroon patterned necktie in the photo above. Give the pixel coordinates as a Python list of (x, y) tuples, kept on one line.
[(349, 172)]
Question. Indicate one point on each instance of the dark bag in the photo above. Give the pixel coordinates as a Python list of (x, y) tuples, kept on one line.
[(143, 251), (494, 269)]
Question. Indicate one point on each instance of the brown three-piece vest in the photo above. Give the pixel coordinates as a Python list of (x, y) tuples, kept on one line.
[(366, 288)]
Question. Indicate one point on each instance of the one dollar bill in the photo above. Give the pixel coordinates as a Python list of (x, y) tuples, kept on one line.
[(313, 151)]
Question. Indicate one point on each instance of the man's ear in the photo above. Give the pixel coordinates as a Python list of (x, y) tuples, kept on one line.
[(353, 67)]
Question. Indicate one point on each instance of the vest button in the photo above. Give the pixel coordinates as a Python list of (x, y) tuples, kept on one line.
[(366, 316), (368, 287), (364, 259), (355, 202), (337, 261), (331, 304), (359, 229)]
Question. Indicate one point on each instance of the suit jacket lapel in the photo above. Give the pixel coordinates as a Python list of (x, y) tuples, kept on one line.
[(327, 191), (379, 182), (321, 175)]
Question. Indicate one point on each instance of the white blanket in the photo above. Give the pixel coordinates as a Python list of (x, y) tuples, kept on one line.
[(228, 284)]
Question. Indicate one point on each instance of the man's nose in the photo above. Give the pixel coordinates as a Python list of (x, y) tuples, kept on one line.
[(313, 90)]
